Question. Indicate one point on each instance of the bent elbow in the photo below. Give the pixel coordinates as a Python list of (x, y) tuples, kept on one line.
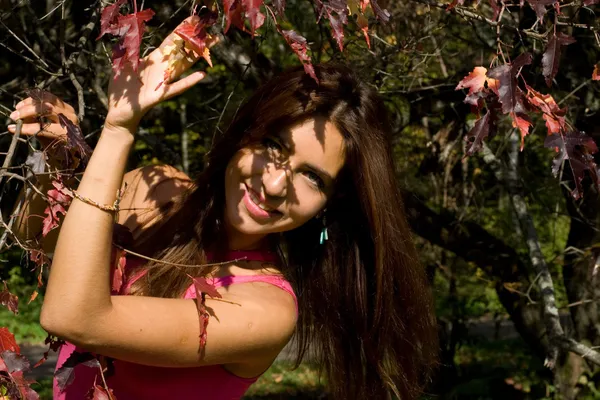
[(64, 327)]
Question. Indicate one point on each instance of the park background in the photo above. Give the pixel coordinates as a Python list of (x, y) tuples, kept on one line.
[(469, 233)]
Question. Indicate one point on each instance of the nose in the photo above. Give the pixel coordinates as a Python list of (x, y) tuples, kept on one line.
[(275, 181)]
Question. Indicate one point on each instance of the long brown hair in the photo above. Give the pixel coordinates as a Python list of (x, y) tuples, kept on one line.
[(365, 308)]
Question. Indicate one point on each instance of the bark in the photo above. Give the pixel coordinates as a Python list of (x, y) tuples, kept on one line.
[(498, 260)]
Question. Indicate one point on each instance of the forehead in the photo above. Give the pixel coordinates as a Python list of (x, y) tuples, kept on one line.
[(318, 142)]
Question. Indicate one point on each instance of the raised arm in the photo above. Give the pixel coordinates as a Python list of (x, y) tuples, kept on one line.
[(153, 331)]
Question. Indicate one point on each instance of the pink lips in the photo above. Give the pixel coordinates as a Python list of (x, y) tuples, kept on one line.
[(254, 209)]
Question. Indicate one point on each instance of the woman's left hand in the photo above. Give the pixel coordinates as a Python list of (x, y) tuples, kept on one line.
[(132, 94)]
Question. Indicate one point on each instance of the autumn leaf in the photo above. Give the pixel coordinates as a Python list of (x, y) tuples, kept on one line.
[(65, 374), (551, 57), (477, 81), (336, 12), (9, 300), (202, 286), (299, 46), (484, 127), (54, 344), (99, 393), (21, 388), (596, 73), (233, 14), (109, 17), (507, 76), (129, 29), (252, 11), (8, 342), (279, 7), (14, 361), (578, 148), (76, 144), (380, 13), (539, 6), (196, 35), (552, 114), (58, 199)]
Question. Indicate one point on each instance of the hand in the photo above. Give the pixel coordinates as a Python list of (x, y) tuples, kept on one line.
[(45, 106), (132, 94)]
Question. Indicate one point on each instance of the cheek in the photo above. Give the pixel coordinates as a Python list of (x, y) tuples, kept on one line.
[(308, 207)]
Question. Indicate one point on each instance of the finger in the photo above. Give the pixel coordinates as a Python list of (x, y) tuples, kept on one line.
[(35, 109), (177, 88), (49, 130)]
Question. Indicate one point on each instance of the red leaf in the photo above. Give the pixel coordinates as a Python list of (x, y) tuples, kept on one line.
[(507, 86), (131, 30), (119, 271), (24, 391), (54, 345), (58, 198), (202, 286), (279, 7), (65, 374), (380, 13), (99, 393), (596, 73), (252, 9), (578, 148), (551, 56), (363, 23), (483, 128), (477, 82), (299, 46), (539, 6), (14, 362), (108, 19), (195, 34), (75, 139), (233, 14), (7, 341), (9, 300), (552, 114)]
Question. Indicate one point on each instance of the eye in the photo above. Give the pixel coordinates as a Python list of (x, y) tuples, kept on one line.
[(315, 179)]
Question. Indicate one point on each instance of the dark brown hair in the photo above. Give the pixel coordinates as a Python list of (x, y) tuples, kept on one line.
[(365, 308)]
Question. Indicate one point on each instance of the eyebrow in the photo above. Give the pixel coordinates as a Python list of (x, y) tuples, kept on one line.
[(314, 168)]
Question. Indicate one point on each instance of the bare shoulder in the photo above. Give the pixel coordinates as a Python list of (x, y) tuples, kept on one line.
[(146, 189)]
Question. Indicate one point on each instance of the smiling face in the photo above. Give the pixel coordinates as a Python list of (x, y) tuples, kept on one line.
[(282, 182)]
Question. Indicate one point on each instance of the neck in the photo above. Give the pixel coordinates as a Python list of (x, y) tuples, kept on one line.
[(238, 241)]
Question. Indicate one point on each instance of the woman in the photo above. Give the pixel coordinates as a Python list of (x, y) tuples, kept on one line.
[(299, 192)]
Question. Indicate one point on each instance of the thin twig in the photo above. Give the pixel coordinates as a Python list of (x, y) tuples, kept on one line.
[(133, 253)]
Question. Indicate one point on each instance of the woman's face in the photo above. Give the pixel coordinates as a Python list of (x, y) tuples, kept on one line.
[(283, 181)]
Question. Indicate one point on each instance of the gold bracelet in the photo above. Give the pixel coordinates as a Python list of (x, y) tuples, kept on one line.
[(104, 207)]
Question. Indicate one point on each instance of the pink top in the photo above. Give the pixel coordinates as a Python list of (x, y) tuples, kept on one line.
[(135, 381)]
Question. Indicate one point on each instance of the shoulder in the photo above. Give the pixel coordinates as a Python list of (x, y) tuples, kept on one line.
[(148, 188)]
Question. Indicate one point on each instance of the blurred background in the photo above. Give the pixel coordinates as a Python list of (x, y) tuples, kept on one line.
[(493, 336)]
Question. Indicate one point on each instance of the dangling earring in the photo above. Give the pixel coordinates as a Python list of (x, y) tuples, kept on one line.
[(324, 235)]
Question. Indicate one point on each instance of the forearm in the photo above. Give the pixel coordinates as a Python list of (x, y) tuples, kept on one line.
[(79, 282)]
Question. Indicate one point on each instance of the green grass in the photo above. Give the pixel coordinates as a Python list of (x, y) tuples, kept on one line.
[(25, 325), (280, 382)]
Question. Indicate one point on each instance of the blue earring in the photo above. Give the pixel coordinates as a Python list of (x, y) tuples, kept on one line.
[(324, 235)]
